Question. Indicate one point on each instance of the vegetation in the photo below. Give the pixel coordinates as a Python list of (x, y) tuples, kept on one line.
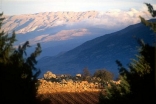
[(18, 74), (86, 75), (137, 82), (103, 76)]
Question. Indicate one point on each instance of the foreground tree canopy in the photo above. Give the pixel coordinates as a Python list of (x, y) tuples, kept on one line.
[(18, 75), (137, 84)]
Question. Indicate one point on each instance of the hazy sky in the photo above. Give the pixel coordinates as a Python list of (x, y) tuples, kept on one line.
[(13, 7)]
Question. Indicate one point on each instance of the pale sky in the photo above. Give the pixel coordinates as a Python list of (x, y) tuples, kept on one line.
[(16, 7)]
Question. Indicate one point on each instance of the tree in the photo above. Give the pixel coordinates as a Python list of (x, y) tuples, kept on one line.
[(18, 75), (152, 25), (86, 76), (137, 82), (151, 9), (104, 75)]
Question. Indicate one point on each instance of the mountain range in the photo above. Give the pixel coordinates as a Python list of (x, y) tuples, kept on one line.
[(71, 41), (100, 53), (64, 30)]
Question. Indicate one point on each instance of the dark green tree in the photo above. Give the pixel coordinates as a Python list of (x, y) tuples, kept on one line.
[(152, 25), (151, 9), (116, 93), (18, 74), (137, 84)]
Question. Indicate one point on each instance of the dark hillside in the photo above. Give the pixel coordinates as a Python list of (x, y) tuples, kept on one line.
[(100, 52)]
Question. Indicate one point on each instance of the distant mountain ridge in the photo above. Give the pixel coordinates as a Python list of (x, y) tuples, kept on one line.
[(39, 21), (25, 23), (64, 30), (101, 52)]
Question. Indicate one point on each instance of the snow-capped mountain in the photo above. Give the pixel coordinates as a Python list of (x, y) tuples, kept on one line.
[(61, 31)]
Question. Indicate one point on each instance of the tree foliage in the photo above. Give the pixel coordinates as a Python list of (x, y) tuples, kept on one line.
[(151, 9), (104, 75), (18, 75), (86, 75), (137, 84)]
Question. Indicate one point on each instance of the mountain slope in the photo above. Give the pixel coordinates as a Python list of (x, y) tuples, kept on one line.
[(100, 52), (64, 30)]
